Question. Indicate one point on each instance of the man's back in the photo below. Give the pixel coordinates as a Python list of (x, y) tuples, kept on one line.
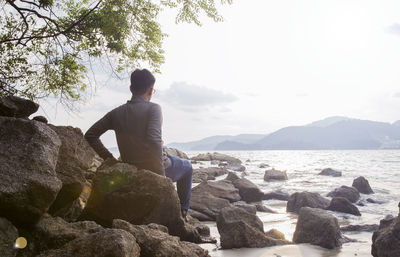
[(137, 125)]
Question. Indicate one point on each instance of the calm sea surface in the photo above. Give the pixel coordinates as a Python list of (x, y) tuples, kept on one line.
[(380, 167)]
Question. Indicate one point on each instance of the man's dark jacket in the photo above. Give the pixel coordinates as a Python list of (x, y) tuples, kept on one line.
[(137, 125)]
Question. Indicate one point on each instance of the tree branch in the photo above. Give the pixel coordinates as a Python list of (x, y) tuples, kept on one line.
[(63, 32)]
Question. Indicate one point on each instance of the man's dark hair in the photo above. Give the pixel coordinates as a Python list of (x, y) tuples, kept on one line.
[(141, 81)]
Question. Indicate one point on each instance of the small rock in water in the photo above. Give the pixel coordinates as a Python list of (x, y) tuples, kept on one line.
[(275, 175), (277, 195), (350, 193), (330, 172), (342, 204), (374, 201), (365, 228), (263, 165), (362, 185), (306, 199)]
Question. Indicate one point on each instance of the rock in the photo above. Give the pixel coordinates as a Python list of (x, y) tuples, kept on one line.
[(341, 204), (214, 162), (330, 172), (105, 243), (40, 119), (248, 191), (386, 222), (53, 233), (207, 204), (386, 241), (74, 159), (275, 175), (8, 235), (203, 229), (232, 176), (370, 200), (120, 191), (277, 195), (218, 157), (204, 174), (199, 176), (263, 208), (221, 189), (362, 185), (239, 228), (274, 233), (13, 106), (154, 242), (263, 165), (360, 228), (28, 157), (175, 152), (347, 192), (317, 227), (200, 216), (247, 207), (306, 199), (235, 167)]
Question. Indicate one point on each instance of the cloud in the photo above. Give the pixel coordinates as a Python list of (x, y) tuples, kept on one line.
[(191, 98), (396, 94), (393, 29)]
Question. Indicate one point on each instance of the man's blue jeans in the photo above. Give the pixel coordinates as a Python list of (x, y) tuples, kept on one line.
[(181, 171)]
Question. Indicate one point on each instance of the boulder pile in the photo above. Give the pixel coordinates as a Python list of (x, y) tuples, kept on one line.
[(48, 172)]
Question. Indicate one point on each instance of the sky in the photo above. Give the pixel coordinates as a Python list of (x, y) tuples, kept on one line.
[(270, 64)]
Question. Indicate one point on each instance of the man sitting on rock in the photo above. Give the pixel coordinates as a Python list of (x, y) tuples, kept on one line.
[(137, 125)]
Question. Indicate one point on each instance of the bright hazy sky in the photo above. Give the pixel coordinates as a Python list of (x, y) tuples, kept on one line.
[(270, 64)]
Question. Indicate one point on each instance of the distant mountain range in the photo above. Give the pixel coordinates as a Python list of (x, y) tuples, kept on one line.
[(337, 132)]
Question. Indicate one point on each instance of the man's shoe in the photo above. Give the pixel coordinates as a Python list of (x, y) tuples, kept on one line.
[(184, 215)]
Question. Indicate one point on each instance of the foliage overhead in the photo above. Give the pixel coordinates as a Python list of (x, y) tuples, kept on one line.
[(47, 46)]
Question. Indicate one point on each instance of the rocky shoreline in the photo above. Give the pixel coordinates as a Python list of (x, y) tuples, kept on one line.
[(60, 197)]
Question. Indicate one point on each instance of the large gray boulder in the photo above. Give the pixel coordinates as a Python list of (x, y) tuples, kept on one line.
[(341, 204), (330, 172), (274, 174), (386, 241), (120, 191), (105, 243), (13, 106), (350, 193), (155, 241), (306, 199), (362, 185), (74, 159), (239, 228), (53, 233), (28, 180), (207, 204), (218, 157), (248, 191), (8, 235), (204, 174), (221, 189), (317, 227)]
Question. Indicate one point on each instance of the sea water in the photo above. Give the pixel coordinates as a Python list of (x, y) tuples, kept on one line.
[(380, 167)]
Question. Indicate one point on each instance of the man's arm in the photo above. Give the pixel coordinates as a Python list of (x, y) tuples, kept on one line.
[(94, 133), (154, 136)]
